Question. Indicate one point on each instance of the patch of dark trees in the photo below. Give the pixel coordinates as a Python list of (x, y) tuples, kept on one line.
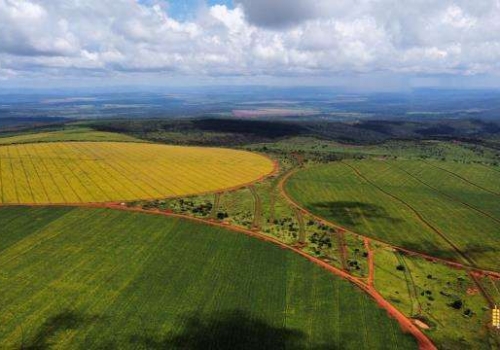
[(231, 131)]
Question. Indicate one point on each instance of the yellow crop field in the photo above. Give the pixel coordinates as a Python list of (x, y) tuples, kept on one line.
[(80, 172)]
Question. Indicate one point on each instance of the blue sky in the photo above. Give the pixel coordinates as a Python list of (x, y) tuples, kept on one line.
[(379, 44), (185, 9)]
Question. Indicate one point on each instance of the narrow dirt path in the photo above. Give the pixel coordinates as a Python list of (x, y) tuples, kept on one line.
[(257, 208), (272, 205), (342, 249), (410, 284), (302, 226), (371, 262), (451, 263), (406, 324), (215, 207), (481, 288)]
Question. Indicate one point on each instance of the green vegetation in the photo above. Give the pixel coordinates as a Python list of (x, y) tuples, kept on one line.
[(320, 150), (261, 207), (446, 300), (414, 204), (98, 278), (67, 134)]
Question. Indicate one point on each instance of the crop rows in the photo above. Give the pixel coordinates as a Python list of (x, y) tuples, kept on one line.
[(67, 134), (413, 204), (96, 278), (96, 172)]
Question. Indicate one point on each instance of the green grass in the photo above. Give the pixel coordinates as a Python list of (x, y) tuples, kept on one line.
[(426, 290), (96, 278), (67, 134), (314, 148), (384, 199)]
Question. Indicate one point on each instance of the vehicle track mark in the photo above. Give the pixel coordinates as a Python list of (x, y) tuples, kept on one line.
[(416, 213), (462, 178), (452, 198), (447, 262)]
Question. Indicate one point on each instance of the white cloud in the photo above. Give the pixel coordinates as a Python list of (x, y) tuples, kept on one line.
[(257, 37)]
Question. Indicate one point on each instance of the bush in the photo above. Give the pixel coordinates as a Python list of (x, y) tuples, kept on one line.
[(457, 304), (468, 312)]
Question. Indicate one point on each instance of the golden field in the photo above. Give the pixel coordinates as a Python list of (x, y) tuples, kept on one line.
[(82, 172)]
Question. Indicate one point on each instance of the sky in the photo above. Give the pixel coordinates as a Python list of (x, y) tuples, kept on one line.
[(372, 44)]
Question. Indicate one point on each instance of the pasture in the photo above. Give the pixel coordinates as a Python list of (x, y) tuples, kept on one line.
[(445, 209), (97, 278), (427, 291), (81, 172)]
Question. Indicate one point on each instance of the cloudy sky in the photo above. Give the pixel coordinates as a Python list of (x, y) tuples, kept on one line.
[(309, 42)]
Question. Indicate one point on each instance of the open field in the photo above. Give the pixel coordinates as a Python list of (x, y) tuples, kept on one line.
[(67, 134), (412, 291), (79, 172), (98, 278), (447, 210)]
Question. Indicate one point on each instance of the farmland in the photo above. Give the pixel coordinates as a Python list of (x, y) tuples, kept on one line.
[(445, 209), (99, 278), (105, 274), (67, 134), (79, 172)]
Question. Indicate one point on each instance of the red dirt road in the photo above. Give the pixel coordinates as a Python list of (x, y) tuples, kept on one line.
[(407, 325)]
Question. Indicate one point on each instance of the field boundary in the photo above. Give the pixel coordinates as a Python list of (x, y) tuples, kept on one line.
[(274, 171), (415, 212), (450, 197), (406, 324), (450, 263)]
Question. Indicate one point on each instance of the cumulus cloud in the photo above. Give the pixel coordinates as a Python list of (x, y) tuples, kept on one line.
[(256, 37), (278, 13)]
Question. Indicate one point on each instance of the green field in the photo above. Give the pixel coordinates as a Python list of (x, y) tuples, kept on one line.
[(67, 134), (97, 278), (445, 209)]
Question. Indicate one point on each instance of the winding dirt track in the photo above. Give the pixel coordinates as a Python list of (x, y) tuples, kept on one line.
[(406, 324), (367, 286)]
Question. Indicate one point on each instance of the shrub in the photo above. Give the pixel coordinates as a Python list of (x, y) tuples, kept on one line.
[(457, 304)]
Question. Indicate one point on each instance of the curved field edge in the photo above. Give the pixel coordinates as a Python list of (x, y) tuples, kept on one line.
[(70, 134), (409, 204), (96, 172), (128, 280)]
